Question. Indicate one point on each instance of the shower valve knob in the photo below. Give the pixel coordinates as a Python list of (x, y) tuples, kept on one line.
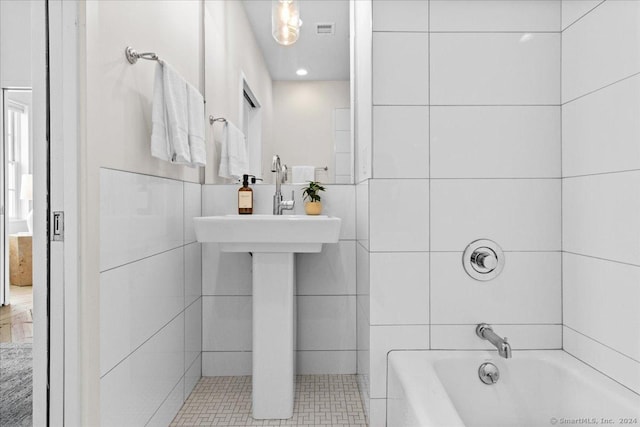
[(486, 260), (483, 260)]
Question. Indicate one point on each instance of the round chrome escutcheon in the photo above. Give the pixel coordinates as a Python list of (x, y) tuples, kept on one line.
[(483, 260)]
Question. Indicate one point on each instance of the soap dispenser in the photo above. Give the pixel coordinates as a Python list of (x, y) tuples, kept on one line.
[(245, 196)]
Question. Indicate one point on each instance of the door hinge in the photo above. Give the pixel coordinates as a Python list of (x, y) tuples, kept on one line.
[(57, 234)]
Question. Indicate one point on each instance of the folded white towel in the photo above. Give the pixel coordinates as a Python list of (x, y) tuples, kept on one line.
[(303, 174), (169, 135), (234, 161), (197, 150)]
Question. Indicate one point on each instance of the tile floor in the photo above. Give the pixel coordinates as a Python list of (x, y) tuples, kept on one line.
[(320, 401)]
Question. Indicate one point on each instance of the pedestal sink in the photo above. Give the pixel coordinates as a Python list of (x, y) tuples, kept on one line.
[(273, 240)]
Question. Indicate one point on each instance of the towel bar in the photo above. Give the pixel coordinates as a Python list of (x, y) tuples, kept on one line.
[(133, 55), (212, 120)]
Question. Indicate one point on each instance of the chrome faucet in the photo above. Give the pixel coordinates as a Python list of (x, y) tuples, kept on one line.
[(485, 332), (278, 203)]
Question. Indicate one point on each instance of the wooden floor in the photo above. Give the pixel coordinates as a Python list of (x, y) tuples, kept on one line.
[(16, 321)]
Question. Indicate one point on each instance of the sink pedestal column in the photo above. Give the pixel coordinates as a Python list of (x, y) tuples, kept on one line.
[(273, 335)]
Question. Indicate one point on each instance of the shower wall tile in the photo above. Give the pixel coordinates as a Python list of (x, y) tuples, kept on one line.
[(400, 142), (528, 291), (399, 215), (399, 288), (387, 338), (601, 131), (572, 10), (602, 49), (326, 323), (192, 209), (612, 363), (330, 272), (521, 337), (495, 15), (519, 214), (192, 273), (136, 301), (192, 376), (226, 323), (473, 142), (400, 15), (600, 216), (597, 297), (494, 69), (140, 216), (362, 209), (400, 69)]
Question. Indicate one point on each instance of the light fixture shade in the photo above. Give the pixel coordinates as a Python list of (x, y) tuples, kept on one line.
[(26, 187), (285, 21)]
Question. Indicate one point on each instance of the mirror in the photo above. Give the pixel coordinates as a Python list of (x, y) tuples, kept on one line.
[(295, 101)]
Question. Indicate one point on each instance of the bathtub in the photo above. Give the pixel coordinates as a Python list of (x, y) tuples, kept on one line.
[(536, 388)]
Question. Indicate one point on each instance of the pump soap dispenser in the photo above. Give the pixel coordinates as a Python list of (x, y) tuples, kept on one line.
[(245, 196)]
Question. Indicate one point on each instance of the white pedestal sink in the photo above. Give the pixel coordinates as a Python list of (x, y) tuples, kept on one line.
[(273, 240)]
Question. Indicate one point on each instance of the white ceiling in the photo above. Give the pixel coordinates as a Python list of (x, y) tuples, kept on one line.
[(326, 57)]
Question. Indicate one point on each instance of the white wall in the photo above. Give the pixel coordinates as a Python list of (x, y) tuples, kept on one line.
[(466, 145), (303, 120), (15, 44), (150, 297), (115, 111), (601, 185), (326, 290), (230, 52)]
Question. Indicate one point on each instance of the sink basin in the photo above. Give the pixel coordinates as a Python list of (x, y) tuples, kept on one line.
[(268, 233)]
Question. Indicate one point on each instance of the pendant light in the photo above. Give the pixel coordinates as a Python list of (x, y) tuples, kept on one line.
[(285, 21)]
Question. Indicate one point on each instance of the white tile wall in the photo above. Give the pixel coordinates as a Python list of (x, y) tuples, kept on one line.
[(600, 216), (226, 323), (387, 338), (325, 281), (362, 208), (495, 15), (150, 288), (521, 337), (136, 301), (572, 10), (325, 362), (326, 323), (494, 69), (600, 131), (330, 272), (399, 215), (400, 15), (378, 413), (140, 216), (527, 291), (132, 392), (473, 142), (612, 363), (517, 214), (400, 288), (598, 297), (400, 69), (400, 142), (602, 49)]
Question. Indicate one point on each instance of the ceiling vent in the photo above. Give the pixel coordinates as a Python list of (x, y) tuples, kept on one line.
[(325, 29)]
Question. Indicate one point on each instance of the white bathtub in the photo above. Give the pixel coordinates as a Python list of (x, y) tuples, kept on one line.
[(536, 388)]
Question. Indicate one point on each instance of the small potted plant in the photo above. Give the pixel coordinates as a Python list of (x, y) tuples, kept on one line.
[(311, 195)]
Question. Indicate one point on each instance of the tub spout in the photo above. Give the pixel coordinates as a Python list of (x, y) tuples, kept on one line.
[(485, 332)]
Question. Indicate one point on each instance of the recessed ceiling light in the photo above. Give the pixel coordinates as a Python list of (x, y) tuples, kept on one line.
[(302, 72)]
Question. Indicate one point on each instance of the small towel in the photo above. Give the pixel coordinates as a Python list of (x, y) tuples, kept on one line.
[(234, 161), (169, 135), (302, 174), (195, 103)]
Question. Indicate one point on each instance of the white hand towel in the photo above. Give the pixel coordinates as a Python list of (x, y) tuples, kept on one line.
[(170, 117), (234, 161), (197, 149), (302, 174)]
